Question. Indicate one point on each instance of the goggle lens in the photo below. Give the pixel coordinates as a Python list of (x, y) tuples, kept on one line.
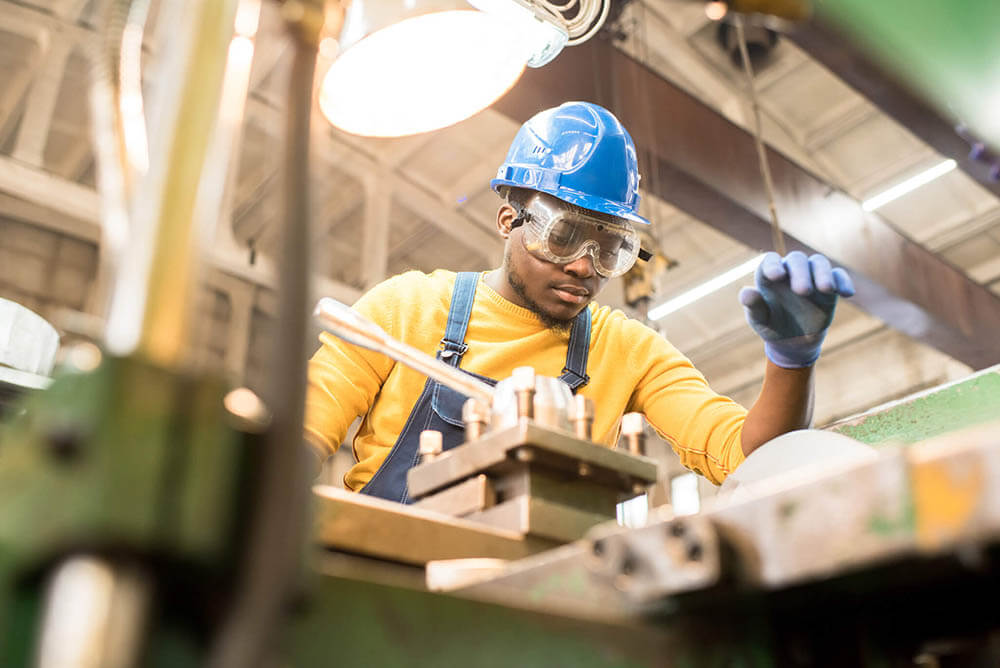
[(560, 236)]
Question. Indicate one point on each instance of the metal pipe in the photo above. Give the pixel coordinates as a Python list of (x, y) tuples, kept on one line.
[(348, 324), (95, 615), (277, 528), (153, 292)]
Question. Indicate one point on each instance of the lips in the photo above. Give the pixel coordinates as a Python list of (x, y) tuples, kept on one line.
[(574, 294)]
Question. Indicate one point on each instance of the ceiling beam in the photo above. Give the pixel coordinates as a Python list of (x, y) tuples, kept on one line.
[(39, 109), (893, 98), (74, 210), (347, 154), (79, 203), (375, 234), (707, 166)]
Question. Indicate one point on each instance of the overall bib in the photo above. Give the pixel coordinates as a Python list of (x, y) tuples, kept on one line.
[(440, 407)]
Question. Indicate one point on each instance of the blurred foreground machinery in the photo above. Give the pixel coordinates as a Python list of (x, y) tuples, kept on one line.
[(150, 515)]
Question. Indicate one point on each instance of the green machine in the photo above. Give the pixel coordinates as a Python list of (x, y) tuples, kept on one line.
[(151, 516)]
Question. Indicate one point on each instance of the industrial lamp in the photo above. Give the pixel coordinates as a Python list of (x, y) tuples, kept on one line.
[(410, 66)]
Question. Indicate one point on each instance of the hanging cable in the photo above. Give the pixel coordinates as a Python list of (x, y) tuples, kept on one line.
[(777, 237)]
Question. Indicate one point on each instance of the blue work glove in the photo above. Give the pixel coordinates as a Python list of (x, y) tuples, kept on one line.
[(792, 305)]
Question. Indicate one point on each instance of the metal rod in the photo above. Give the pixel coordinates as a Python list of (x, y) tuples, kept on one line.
[(95, 615), (348, 324), (277, 530), (153, 292)]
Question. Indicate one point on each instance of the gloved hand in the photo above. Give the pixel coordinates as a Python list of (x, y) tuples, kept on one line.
[(792, 305)]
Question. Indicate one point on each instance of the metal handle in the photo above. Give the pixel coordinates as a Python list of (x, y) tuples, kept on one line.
[(348, 324)]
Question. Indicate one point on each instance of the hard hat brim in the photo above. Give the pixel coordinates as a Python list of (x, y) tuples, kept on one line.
[(582, 200)]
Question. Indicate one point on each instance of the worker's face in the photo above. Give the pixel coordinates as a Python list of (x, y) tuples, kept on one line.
[(556, 293)]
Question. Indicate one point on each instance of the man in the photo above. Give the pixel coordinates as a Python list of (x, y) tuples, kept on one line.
[(570, 185)]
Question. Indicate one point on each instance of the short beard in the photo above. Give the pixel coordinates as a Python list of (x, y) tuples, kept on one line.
[(547, 319)]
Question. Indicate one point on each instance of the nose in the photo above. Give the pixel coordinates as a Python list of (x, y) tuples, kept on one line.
[(581, 267)]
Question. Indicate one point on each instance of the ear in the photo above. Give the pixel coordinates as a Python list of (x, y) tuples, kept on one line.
[(505, 219)]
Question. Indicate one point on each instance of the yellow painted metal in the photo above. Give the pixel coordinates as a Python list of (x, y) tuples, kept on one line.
[(171, 281), (949, 479)]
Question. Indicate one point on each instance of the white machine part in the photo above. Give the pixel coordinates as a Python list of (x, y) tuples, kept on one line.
[(801, 451), (27, 341)]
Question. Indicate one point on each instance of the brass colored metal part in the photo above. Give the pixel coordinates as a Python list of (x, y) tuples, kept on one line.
[(373, 527), (632, 430), (555, 450), (475, 416), (540, 517), (581, 416), (524, 387), (562, 487), (467, 497), (430, 445)]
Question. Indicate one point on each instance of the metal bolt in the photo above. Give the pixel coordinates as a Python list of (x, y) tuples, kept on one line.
[(524, 455), (83, 357), (581, 415), (583, 469), (695, 551), (247, 410), (633, 425), (524, 388), (475, 416), (430, 445), (677, 529)]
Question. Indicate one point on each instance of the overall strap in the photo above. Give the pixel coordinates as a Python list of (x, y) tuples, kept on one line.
[(464, 293), (575, 372)]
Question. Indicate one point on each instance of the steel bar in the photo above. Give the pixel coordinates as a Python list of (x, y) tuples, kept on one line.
[(351, 326), (556, 450), (361, 524), (707, 166)]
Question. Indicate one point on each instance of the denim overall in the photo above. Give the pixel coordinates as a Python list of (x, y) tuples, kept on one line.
[(440, 407)]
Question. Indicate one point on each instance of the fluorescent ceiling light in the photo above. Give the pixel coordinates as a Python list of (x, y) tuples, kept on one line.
[(706, 288), (908, 185)]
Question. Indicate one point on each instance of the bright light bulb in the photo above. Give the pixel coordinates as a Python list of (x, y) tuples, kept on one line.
[(422, 74)]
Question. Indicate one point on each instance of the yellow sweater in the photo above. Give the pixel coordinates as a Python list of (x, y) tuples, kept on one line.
[(631, 368)]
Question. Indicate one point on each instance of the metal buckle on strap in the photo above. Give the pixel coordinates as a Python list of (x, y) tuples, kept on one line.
[(573, 374), (450, 349)]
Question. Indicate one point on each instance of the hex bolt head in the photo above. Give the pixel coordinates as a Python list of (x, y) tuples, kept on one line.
[(524, 379), (632, 423), (430, 444)]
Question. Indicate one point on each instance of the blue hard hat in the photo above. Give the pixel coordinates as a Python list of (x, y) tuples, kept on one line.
[(580, 153)]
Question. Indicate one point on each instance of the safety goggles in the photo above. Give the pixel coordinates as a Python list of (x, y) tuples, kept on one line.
[(556, 234)]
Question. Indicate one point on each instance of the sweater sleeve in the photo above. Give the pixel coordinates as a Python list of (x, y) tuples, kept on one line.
[(344, 379), (703, 427)]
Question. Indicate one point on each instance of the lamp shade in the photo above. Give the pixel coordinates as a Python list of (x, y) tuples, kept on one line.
[(412, 66)]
